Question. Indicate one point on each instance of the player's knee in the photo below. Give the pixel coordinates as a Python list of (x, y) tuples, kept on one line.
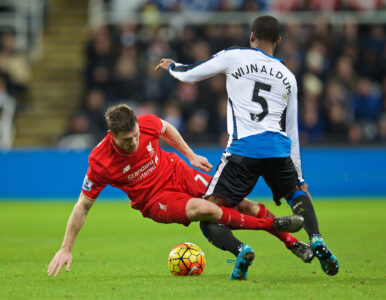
[(248, 207), (207, 209), (299, 201), (290, 194)]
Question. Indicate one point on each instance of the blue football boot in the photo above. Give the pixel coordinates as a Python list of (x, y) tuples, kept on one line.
[(328, 261), (243, 261)]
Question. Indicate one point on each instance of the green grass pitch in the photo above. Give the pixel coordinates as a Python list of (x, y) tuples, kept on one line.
[(120, 255)]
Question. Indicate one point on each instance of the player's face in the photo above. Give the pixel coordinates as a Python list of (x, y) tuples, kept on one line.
[(128, 141)]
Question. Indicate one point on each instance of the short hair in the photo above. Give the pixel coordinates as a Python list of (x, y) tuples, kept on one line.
[(120, 118), (266, 28)]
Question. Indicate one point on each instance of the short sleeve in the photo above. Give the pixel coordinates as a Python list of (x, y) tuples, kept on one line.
[(93, 184), (150, 124)]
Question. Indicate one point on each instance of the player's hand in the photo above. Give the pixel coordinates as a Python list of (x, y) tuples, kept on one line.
[(304, 188), (61, 258), (164, 64), (201, 162)]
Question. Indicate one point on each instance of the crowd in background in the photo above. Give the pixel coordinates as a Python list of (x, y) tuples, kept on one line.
[(244, 5), (14, 69), (340, 72)]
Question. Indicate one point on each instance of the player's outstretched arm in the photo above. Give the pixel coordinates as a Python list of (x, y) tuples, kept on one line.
[(218, 63), (171, 136), (74, 224)]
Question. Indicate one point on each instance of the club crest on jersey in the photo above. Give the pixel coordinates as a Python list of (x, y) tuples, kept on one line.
[(87, 184), (125, 169), (150, 149)]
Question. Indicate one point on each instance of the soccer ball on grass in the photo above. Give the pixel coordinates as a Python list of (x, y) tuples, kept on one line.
[(186, 259)]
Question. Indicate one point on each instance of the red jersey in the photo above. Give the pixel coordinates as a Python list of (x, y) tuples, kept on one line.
[(140, 174)]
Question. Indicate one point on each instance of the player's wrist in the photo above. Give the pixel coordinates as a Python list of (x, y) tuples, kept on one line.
[(190, 155), (66, 248), (171, 65)]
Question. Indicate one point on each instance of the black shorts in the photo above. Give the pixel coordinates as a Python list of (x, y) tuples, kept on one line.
[(237, 175)]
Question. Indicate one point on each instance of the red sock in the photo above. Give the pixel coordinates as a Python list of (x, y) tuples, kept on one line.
[(236, 220), (287, 238)]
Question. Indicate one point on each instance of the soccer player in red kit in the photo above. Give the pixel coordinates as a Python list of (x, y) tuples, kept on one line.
[(159, 184)]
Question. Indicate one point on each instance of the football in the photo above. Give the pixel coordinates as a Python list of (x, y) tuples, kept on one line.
[(186, 259)]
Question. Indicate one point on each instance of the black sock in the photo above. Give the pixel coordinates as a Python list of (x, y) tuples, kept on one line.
[(301, 205), (221, 237)]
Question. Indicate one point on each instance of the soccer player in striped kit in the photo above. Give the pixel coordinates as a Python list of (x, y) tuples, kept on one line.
[(263, 136)]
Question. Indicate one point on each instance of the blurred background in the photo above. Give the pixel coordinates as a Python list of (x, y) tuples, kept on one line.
[(63, 62)]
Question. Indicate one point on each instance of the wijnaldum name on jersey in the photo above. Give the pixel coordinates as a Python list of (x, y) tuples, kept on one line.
[(252, 68)]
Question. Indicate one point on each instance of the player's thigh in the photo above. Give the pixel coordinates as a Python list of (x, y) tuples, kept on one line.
[(280, 175), (169, 207), (233, 180)]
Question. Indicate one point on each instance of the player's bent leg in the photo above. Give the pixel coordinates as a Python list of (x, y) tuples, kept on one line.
[(202, 210), (291, 223), (236, 220), (301, 204), (259, 210), (221, 237), (300, 249)]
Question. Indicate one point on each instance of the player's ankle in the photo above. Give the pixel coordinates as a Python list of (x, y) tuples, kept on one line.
[(315, 235), (290, 241), (269, 221)]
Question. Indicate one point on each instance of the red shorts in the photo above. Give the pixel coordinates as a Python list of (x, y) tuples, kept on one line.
[(169, 204)]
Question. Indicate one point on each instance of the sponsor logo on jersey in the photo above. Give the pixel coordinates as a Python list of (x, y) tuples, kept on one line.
[(87, 184), (126, 169), (150, 149), (143, 171)]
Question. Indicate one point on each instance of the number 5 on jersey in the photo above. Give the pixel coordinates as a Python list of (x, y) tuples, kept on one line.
[(261, 100)]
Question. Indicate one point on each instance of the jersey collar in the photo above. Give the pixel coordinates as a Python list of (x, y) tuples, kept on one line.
[(279, 59), (119, 150)]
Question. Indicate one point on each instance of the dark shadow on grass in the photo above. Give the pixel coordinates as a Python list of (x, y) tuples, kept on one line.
[(167, 276)]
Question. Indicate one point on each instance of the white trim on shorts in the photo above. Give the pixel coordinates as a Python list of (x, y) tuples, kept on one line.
[(217, 174)]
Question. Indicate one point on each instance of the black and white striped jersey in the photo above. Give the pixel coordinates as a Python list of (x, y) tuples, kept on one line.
[(261, 92)]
